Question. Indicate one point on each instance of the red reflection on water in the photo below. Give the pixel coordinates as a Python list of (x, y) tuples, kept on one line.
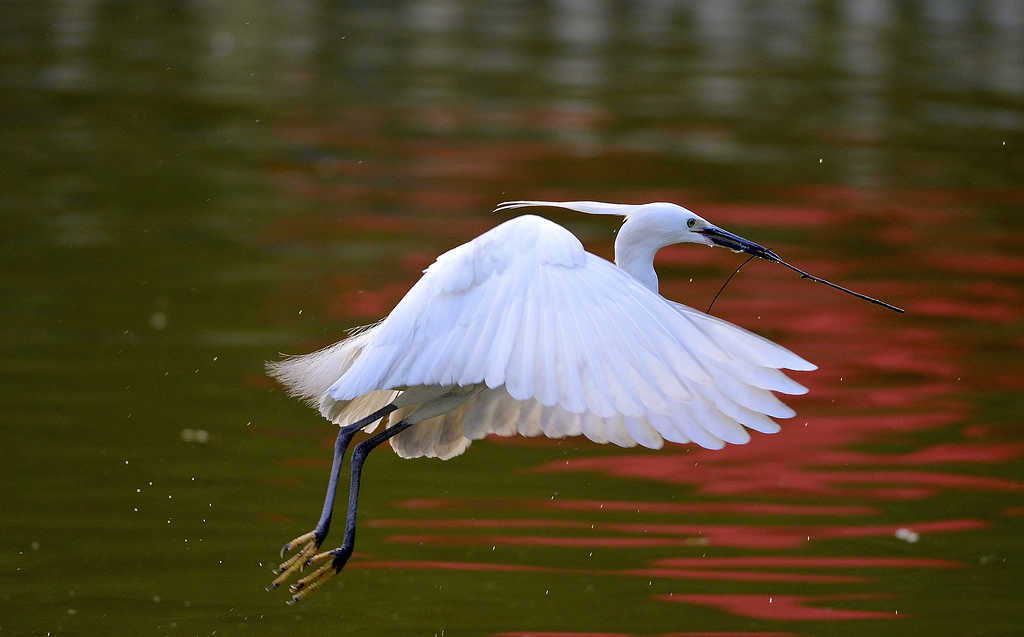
[(884, 382), (740, 508), (662, 573), (804, 561), (983, 263), (729, 472), (783, 607), (771, 215), (949, 308), (740, 576), (743, 508), (737, 569), (364, 303), (752, 537), (436, 565), (540, 540), (479, 523)]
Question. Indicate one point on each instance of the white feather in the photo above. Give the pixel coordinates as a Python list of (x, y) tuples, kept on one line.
[(560, 342)]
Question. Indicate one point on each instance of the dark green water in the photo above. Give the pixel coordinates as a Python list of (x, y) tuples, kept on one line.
[(187, 189)]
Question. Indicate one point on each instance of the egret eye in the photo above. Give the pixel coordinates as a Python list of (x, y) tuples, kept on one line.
[(691, 222)]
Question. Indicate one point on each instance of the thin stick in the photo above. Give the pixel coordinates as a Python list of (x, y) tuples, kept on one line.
[(727, 283), (804, 275)]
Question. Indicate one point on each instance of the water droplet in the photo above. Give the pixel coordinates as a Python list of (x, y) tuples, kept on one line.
[(907, 535), (158, 321), (200, 436)]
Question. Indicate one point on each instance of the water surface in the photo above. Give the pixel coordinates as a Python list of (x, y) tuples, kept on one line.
[(189, 189)]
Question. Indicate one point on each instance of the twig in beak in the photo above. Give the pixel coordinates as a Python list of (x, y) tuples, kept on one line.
[(804, 275)]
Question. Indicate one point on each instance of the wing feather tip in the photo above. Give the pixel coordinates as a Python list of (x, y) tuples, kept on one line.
[(795, 389), (801, 365)]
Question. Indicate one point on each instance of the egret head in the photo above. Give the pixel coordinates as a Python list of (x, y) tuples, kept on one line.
[(662, 223), (690, 227), (658, 224)]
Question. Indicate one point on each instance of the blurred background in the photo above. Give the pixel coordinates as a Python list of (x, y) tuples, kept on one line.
[(189, 188)]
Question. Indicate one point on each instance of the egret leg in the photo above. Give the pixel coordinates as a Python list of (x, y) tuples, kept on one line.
[(341, 554), (311, 541)]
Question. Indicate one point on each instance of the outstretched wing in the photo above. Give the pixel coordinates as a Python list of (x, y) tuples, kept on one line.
[(525, 307), (566, 344)]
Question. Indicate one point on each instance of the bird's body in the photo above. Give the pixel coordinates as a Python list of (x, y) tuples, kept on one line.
[(549, 339), (521, 331)]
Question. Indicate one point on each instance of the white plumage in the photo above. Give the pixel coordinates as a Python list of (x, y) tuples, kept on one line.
[(524, 332)]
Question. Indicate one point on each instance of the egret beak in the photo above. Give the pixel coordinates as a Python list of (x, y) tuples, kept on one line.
[(725, 239)]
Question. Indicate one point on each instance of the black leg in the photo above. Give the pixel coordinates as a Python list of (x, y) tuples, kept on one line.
[(311, 541), (341, 554), (363, 449), (345, 435)]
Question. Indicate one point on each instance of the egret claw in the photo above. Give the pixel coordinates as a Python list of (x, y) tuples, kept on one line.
[(313, 581), (309, 545), (305, 537)]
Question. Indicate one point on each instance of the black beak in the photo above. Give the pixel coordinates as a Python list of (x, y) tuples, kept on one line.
[(736, 243)]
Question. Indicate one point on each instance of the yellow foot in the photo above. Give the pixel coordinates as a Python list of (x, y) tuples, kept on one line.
[(314, 580), (298, 560)]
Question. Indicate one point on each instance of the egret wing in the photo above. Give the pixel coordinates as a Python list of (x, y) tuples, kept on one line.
[(566, 344), (523, 306)]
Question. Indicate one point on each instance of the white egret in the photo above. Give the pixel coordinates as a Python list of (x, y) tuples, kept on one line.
[(521, 331)]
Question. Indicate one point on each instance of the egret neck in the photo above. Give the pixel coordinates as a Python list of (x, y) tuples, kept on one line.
[(635, 247)]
